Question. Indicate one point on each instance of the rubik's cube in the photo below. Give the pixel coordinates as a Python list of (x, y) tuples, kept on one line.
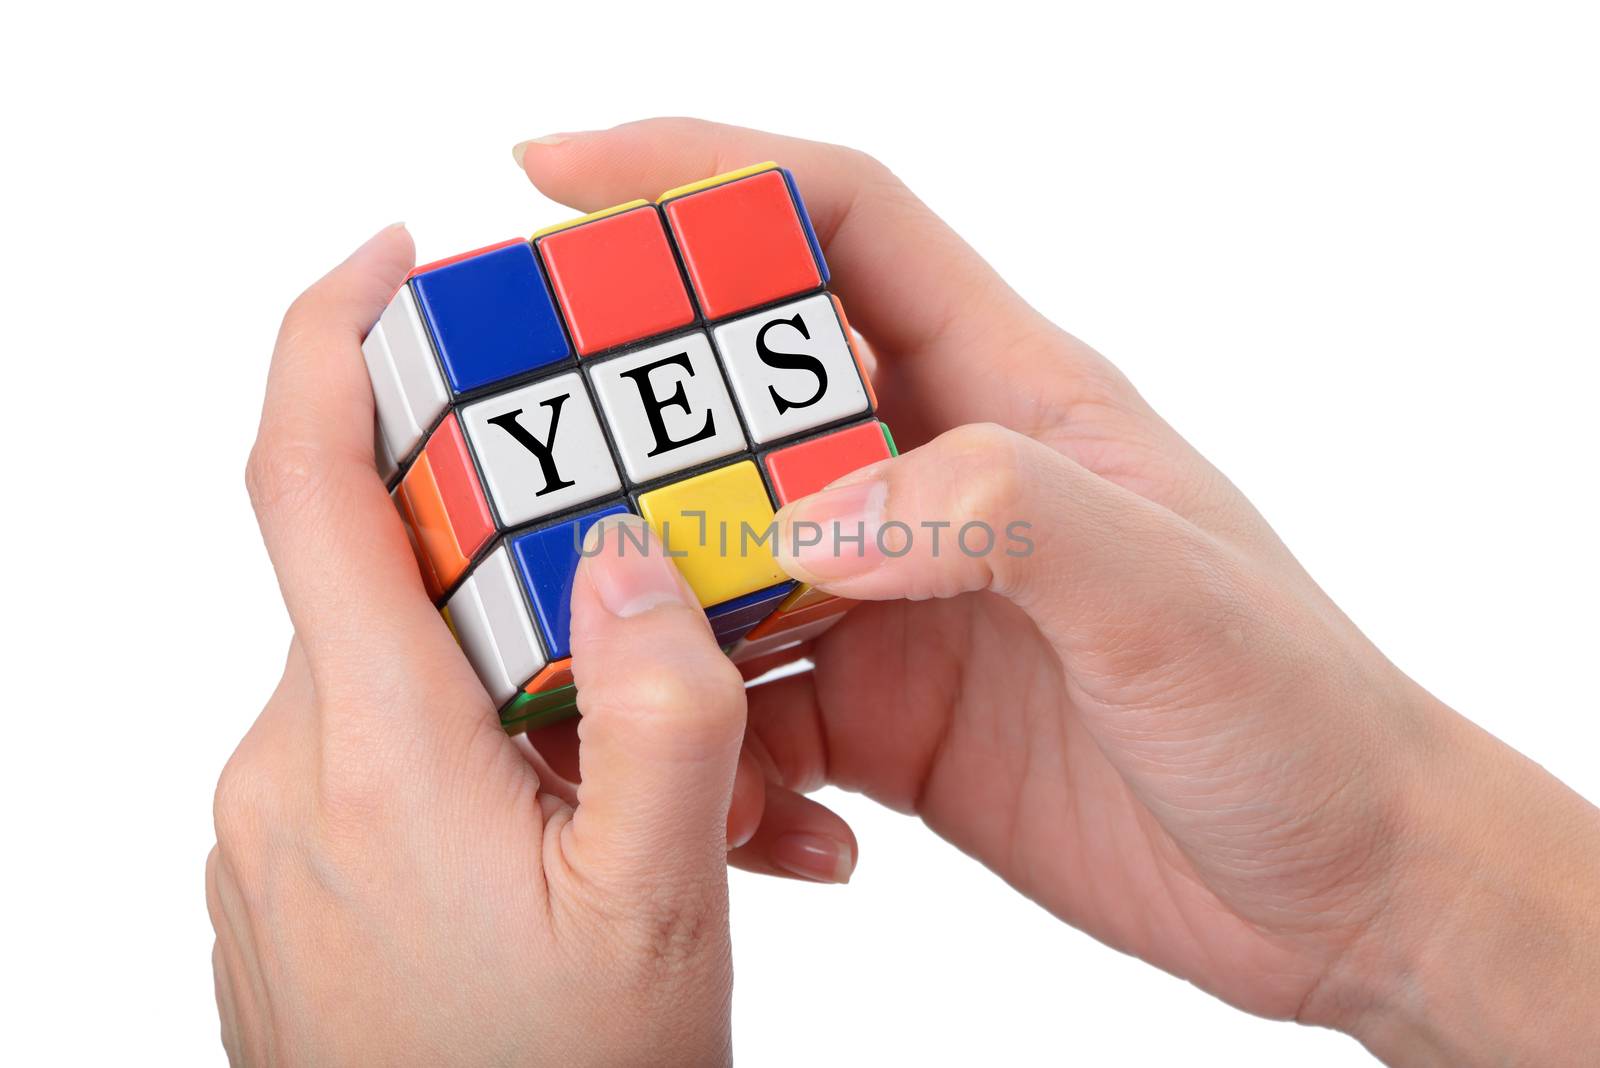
[(680, 359)]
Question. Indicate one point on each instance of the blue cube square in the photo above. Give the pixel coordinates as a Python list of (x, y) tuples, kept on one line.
[(491, 316), (548, 559)]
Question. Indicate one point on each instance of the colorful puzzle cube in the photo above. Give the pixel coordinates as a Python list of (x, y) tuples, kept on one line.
[(680, 359)]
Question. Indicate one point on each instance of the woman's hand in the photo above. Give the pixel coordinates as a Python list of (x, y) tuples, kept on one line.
[(1154, 723), (397, 881)]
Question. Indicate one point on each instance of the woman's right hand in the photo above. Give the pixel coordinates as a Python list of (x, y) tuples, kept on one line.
[(1154, 723)]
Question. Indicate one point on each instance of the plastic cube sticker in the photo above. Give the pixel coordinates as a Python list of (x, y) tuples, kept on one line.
[(679, 359)]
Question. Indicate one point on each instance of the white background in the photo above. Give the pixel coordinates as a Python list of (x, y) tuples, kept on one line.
[(1351, 253)]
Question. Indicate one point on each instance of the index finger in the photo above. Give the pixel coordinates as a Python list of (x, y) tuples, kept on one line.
[(926, 300), (347, 573)]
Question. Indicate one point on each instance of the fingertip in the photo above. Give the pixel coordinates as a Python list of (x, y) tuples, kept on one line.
[(392, 245), (400, 249), (799, 839), (820, 858), (369, 276), (589, 170), (626, 572), (838, 533), (557, 171), (402, 233), (537, 149)]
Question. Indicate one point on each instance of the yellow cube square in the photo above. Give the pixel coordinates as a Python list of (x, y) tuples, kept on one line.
[(718, 528)]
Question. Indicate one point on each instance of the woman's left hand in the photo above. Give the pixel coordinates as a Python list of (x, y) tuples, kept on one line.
[(397, 881)]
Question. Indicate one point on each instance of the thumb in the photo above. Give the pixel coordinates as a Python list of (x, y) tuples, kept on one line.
[(984, 508), (663, 716)]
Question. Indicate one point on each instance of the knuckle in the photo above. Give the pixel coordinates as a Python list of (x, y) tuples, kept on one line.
[(278, 473), (876, 181), (213, 884), (303, 313), (242, 803), (978, 440), (1094, 383), (866, 165), (989, 467)]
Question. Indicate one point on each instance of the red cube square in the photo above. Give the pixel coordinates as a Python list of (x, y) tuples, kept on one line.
[(459, 489), (743, 244), (803, 469), (616, 280)]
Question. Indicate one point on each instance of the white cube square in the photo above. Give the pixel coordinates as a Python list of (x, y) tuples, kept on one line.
[(419, 372), (667, 407), (491, 622), (530, 471), (407, 386), (397, 427), (791, 368)]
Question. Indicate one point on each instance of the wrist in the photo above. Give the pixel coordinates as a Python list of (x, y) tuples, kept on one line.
[(1486, 948)]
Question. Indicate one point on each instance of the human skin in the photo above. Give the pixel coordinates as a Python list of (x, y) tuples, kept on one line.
[(396, 881), (1155, 724)]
